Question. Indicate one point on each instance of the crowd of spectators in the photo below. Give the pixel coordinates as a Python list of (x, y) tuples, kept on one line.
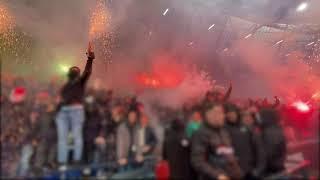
[(214, 138)]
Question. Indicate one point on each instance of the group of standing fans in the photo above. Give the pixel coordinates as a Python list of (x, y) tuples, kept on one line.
[(225, 142), (214, 139)]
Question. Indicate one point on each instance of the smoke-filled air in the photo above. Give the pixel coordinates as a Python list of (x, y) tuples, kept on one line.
[(164, 48), (160, 89)]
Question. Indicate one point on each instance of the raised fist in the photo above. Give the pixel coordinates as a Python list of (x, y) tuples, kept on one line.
[(90, 52)]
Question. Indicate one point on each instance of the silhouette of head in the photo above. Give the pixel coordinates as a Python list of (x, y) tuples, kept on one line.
[(74, 72)]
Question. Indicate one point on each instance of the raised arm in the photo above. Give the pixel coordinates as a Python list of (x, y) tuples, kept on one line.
[(228, 93), (88, 68), (276, 102)]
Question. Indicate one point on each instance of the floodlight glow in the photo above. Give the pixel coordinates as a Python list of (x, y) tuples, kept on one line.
[(64, 68), (303, 6)]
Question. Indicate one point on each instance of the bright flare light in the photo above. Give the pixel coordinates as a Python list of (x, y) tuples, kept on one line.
[(301, 106), (303, 6)]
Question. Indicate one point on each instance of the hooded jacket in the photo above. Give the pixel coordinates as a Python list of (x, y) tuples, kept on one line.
[(274, 141), (247, 145), (176, 151)]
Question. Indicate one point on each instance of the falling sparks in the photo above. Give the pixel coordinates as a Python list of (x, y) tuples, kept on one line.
[(6, 20), (278, 42), (249, 35), (14, 44), (165, 12), (99, 20), (211, 26), (310, 44), (100, 31)]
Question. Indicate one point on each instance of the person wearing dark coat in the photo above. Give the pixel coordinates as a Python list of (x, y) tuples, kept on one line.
[(246, 143), (274, 141), (176, 151), (70, 115), (105, 142), (212, 154), (92, 127)]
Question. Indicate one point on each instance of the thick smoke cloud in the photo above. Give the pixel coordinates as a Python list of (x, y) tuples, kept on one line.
[(289, 78), (139, 34)]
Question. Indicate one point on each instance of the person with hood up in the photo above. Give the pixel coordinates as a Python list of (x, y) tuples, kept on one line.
[(247, 144), (273, 140), (176, 151)]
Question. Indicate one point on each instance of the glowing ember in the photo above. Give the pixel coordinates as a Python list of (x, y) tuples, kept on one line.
[(99, 20), (301, 106)]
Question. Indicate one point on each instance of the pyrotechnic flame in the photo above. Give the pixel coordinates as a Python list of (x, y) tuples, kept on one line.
[(99, 20)]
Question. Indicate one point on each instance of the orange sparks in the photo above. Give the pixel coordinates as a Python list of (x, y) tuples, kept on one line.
[(6, 20), (99, 20)]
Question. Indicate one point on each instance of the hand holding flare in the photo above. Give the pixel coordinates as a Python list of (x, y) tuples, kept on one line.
[(90, 52)]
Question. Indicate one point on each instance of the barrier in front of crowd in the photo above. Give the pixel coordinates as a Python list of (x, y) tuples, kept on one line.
[(296, 162), (109, 170), (295, 165)]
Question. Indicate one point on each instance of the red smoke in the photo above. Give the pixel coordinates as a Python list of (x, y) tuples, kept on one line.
[(163, 74)]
